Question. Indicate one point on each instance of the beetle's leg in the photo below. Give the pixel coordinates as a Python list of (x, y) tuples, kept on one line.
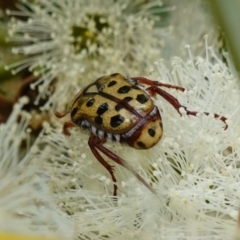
[(156, 83), (93, 140), (61, 115), (66, 126), (98, 144), (154, 88), (177, 105)]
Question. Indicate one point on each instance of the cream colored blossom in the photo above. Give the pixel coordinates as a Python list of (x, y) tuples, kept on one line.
[(26, 206), (81, 40), (194, 168)]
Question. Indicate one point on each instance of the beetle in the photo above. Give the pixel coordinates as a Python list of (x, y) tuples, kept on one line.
[(119, 109)]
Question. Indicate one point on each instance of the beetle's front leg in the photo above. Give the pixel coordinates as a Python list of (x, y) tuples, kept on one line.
[(66, 125), (61, 115), (177, 105)]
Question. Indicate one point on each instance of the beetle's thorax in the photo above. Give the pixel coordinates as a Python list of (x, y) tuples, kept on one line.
[(115, 108)]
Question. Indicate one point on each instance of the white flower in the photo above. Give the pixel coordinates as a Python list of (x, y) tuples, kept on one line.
[(194, 168), (26, 206), (82, 39)]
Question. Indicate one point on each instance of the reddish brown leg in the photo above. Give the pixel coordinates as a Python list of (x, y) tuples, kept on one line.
[(66, 126), (177, 105), (154, 88), (97, 143), (156, 83), (92, 144), (61, 115)]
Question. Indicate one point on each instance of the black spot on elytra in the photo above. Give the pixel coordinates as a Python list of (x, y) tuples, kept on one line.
[(141, 144), (118, 107), (151, 132), (141, 98), (127, 99), (73, 112), (98, 120), (102, 108), (112, 83), (124, 89), (90, 102), (116, 120)]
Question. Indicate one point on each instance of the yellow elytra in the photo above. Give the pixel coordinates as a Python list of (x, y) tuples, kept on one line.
[(116, 108)]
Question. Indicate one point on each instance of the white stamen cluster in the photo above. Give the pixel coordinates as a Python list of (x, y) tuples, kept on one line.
[(58, 188), (26, 206), (194, 168), (82, 39)]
